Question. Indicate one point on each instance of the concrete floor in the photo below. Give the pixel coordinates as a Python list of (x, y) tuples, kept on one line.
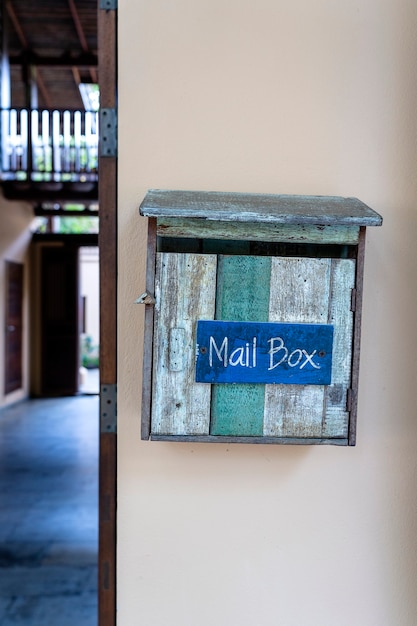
[(48, 512)]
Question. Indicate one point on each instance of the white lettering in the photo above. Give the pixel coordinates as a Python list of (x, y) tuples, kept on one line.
[(276, 346), (309, 359), (293, 363), (236, 358), (274, 350), (223, 348), (246, 356)]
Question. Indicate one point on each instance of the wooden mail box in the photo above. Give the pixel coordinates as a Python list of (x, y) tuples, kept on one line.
[(252, 323)]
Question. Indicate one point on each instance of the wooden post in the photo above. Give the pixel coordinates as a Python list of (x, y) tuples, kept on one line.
[(108, 324)]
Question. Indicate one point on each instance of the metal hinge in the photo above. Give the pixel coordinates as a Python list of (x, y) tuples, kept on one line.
[(145, 298), (353, 300), (108, 408), (108, 132), (108, 5)]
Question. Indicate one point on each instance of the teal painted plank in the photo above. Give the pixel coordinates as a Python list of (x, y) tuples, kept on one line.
[(243, 284), (237, 410), (243, 288)]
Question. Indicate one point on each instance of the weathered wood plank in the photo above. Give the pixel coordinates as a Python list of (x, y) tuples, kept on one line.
[(299, 290), (291, 410), (242, 295), (336, 418), (360, 260), (288, 233), (184, 292), (268, 440), (148, 334), (320, 292), (243, 207)]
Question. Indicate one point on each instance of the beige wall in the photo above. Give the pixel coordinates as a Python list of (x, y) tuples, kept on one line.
[(284, 97), (15, 220)]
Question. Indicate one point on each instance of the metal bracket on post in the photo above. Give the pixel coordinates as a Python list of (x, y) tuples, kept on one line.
[(108, 5), (108, 408), (108, 132)]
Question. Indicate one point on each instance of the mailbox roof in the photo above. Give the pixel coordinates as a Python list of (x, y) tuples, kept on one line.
[(261, 208)]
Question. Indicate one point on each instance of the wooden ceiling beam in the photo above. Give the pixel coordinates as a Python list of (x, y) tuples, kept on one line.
[(16, 25), (42, 88), (81, 36), (78, 25), (64, 61), (25, 45)]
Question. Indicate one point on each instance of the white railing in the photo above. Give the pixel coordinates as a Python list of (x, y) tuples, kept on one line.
[(42, 145)]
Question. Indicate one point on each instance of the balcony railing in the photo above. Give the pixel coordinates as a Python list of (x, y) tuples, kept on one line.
[(42, 145)]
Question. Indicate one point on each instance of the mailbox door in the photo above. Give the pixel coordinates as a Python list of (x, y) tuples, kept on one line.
[(193, 287)]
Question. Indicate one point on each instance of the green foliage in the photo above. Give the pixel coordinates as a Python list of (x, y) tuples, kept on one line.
[(89, 353), (77, 225)]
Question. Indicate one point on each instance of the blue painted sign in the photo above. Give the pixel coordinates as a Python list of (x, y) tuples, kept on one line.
[(263, 352)]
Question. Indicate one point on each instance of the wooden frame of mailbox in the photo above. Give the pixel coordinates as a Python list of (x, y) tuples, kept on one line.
[(210, 215)]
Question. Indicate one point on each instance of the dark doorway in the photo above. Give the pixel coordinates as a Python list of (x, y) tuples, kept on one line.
[(59, 326), (14, 326), (60, 311)]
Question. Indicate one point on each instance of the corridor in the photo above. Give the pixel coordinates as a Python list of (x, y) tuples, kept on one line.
[(48, 512)]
